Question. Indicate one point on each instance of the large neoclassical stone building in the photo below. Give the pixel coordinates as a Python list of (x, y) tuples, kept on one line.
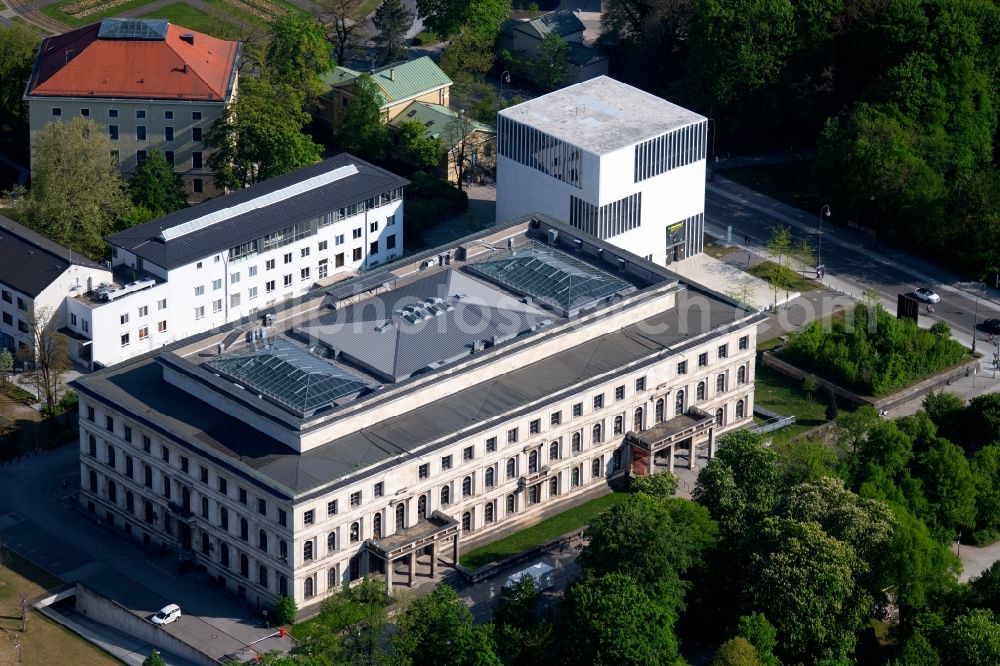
[(370, 427)]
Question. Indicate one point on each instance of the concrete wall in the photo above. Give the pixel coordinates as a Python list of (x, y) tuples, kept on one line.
[(104, 610)]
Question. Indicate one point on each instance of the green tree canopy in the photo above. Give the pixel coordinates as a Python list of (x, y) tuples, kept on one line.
[(154, 659), (260, 136), (76, 192), (736, 652), (761, 635), (467, 58), (482, 17), (660, 486), (18, 43), (416, 146), (523, 634), (985, 467), (972, 639), (349, 626), (156, 186), (361, 130), (949, 489), (551, 64), (438, 629), (298, 54), (739, 486), (610, 621), (392, 20)]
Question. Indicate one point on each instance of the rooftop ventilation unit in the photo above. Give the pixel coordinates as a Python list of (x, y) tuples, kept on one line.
[(621, 264), (553, 236), (577, 244), (188, 37), (138, 285)]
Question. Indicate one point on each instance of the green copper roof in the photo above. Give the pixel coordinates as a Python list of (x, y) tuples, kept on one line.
[(399, 81), (435, 118)]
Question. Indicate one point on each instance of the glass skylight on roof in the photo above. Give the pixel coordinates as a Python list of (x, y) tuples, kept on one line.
[(133, 29), (552, 277), (289, 375)]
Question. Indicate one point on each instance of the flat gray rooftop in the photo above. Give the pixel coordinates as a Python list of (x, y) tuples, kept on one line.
[(138, 388), (601, 115)]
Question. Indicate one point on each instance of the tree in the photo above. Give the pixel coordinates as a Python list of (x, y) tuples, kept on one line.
[(467, 146), (154, 659), (392, 20), (416, 146), (985, 469), (76, 192), (349, 626), (156, 186), (285, 610), (6, 365), (761, 635), (972, 639), (659, 486), (739, 486), (780, 247), (18, 43), (804, 579), (467, 58), (361, 129), (949, 489), (347, 34), (610, 621), (47, 353), (298, 54), (260, 136), (447, 17), (802, 461), (523, 634), (551, 62), (438, 629), (736, 652), (984, 589), (946, 410), (804, 253)]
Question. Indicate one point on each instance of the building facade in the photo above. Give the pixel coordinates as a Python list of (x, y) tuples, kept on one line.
[(150, 84), (236, 256), (459, 392), (614, 161), (37, 276)]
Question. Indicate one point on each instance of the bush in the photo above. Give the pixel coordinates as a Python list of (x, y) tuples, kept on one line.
[(285, 610), (832, 410), (15, 392), (429, 199), (70, 401), (873, 353)]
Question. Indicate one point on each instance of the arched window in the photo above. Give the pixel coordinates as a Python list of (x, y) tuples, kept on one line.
[(702, 391), (244, 566), (262, 540), (244, 529), (331, 542), (92, 478), (421, 507), (739, 409), (597, 434), (575, 477), (511, 504), (595, 468), (741, 375), (619, 424), (719, 416), (224, 518), (637, 420), (355, 532), (467, 521), (577, 442), (307, 551), (511, 468), (377, 526), (112, 492), (308, 588), (554, 450), (533, 462), (489, 513), (553, 486), (720, 383), (400, 517), (489, 477), (262, 576), (658, 413), (679, 403), (445, 495), (204, 543), (224, 554), (467, 486)]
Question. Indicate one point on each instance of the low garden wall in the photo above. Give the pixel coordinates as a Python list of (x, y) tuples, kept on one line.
[(482, 573)]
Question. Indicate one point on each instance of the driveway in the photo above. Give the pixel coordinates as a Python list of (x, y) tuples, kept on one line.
[(40, 521)]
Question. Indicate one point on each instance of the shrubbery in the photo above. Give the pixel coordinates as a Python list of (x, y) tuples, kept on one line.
[(429, 200), (285, 610), (873, 360)]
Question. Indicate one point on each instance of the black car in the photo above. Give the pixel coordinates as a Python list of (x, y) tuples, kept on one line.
[(992, 326)]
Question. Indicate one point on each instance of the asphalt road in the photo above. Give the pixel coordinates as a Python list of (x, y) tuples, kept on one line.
[(853, 262)]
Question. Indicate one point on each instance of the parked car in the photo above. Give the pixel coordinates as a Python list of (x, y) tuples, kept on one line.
[(992, 326), (167, 614), (926, 295), (543, 575)]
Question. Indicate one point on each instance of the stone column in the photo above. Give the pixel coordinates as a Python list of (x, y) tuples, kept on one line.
[(691, 448), (413, 566), (670, 458), (434, 558), (388, 576), (454, 552), (711, 443)]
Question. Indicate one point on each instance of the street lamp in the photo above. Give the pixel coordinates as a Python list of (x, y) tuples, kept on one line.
[(819, 254), (504, 78), (975, 317)]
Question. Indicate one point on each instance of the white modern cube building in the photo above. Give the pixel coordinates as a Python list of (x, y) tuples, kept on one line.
[(233, 257), (612, 160)]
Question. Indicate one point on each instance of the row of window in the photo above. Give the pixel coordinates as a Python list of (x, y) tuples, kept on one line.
[(143, 333), (168, 135), (532, 148), (197, 158), (22, 325), (140, 114), (671, 150), (8, 297)]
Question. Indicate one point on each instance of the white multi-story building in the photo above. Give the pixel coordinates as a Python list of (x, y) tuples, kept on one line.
[(366, 429), (612, 160), (37, 277), (235, 256)]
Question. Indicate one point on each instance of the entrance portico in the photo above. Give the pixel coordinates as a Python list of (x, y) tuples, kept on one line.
[(684, 432), (427, 535)]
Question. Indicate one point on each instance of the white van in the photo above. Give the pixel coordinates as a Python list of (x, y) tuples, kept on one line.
[(166, 615), (543, 575)]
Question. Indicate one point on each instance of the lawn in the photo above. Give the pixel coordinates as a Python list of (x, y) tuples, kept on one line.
[(789, 182), (45, 642), (796, 282), (365, 8), (718, 251), (426, 38), (543, 532), (115, 8), (241, 12), (782, 394), (181, 13)]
